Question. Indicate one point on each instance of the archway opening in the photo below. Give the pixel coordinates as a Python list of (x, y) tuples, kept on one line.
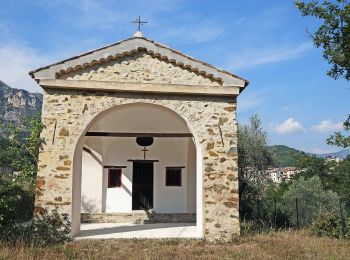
[(118, 182)]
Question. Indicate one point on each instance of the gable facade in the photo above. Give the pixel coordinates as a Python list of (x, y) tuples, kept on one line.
[(83, 89), (141, 67)]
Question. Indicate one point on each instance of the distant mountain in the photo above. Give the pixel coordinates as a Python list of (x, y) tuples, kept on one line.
[(15, 103), (341, 154), (285, 156)]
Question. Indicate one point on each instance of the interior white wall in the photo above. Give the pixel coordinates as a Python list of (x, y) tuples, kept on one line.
[(92, 183), (116, 152), (169, 152)]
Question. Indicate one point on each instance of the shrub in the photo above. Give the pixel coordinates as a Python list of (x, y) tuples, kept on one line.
[(16, 204), (326, 224), (311, 198), (51, 230)]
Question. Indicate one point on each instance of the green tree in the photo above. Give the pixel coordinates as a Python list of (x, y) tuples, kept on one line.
[(333, 35), (254, 159), (273, 207), (5, 154), (340, 140), (21, 145), (310, 166), (311, 198), (334, 176), (20, 149), (341, 177)]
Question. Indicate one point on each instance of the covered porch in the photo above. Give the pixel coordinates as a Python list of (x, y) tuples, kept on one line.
[(138, 171)]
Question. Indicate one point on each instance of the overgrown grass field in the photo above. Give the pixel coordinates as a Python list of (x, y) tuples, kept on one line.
[(275, 245)]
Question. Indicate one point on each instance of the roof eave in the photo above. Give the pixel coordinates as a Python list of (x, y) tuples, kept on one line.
[(227, 77)]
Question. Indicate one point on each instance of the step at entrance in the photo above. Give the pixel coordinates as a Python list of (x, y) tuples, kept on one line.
[(138, 218)]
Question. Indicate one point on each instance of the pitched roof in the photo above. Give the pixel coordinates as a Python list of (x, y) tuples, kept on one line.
[(133, 45)]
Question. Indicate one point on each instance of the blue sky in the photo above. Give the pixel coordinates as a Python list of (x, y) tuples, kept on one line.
[(263, 41)]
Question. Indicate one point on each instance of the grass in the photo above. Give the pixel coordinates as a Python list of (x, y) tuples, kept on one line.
[(275, 245)]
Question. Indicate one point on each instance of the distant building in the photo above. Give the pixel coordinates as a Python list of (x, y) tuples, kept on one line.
[(6, 170), (332, 159), (277, 175)]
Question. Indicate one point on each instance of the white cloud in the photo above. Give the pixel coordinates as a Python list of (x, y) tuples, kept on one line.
[(290, 126), (15, 63), (326, 126), (256, 57)]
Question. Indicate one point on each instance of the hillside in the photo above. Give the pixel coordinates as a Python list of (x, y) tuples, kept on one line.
[(341, 154), (285, 156), (15, 103)]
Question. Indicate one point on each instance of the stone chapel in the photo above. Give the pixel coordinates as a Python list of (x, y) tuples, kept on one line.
[(139, 132)]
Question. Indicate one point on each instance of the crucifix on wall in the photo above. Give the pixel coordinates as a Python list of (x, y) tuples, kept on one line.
[(144, 150), (144, 141)]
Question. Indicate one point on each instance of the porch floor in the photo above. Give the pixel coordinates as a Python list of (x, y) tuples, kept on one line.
[(118, 230)]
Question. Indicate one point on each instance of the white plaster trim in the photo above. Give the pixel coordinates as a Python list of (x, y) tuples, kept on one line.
[(139, 87)]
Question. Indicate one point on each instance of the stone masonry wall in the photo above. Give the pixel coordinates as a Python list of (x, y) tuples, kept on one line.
[(66, 115), (140, 67)]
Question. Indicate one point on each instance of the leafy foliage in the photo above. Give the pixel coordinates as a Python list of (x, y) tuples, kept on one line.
[(254, 159), (311, 197), (341, 180), (16, 204), (334, 176), (51, 230), (5, 154), (22, 146), (273, 207), (333, 35), (311, 166), (340, 140), (20, 149), (326, 224)]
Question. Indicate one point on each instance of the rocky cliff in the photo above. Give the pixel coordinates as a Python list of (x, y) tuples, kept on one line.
[(15, 103)]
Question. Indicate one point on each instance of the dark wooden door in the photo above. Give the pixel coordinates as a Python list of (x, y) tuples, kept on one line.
[(142, 185)]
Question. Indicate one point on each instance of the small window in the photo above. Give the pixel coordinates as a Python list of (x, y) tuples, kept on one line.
[(173, 176), (114, 178)]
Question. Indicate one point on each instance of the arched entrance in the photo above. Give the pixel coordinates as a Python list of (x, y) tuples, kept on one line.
[(113, 174)]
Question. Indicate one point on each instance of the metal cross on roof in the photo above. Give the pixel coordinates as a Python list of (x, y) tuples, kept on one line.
[(139, 22)]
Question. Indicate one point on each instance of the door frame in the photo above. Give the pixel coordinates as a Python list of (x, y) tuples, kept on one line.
[(132, 192)]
